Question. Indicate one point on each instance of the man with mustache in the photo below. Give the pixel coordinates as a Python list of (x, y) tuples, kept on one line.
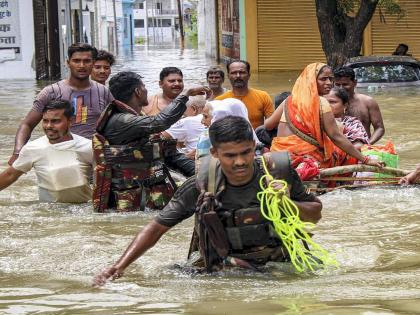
[(87, 97), (215, 78), (259, 104), (62, 160), (172, 84), (225, 188)]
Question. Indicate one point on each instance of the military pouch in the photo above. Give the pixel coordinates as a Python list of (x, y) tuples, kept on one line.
[(248, 216), (248, 236), (128, 200), (216, 233), (129, 153)]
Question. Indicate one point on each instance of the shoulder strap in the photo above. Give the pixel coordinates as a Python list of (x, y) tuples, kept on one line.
[(211, 185), (296, 131)]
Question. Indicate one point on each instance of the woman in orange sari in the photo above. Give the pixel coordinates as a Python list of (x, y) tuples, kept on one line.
[(307, 127)]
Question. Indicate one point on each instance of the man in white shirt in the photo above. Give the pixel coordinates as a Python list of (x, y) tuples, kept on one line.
[(188, 129), (62, 160)]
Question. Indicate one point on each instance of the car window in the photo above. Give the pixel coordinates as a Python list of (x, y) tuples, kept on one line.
[(387, 73)]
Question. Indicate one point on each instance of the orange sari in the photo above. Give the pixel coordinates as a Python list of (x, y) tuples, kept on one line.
[(303, 115)]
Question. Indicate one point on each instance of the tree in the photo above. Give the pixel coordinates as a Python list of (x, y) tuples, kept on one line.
[(342, 22)]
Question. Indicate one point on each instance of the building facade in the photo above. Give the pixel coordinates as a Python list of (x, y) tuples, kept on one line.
[(283, 35)]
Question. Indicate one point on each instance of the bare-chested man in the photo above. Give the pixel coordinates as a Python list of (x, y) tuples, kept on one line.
[(361, 106), (172, 84)]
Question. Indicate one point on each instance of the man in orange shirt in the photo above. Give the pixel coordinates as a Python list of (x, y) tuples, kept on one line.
[(258, 103)]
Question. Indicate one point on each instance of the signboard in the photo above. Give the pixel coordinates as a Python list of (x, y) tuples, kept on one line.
[(10, 41), (230, 41)]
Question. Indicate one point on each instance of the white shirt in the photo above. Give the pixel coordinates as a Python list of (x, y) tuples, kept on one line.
[(187, 130), (62, 169)]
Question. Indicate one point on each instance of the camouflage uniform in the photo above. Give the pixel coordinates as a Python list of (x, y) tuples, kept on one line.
[(126, 174)]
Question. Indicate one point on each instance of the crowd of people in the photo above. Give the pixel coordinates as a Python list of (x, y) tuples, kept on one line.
[(118, 147)]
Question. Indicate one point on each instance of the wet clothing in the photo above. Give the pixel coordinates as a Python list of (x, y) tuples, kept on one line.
[(354, 130), (183, 204), (88, 104), (62, 169), (123, 128), (257, 102), (187, 130), (130, 155), (303, 112)]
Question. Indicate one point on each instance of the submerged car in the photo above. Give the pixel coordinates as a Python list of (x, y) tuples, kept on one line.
[(385, 71)]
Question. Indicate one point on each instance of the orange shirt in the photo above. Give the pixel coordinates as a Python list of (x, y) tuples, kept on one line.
[(258, 103)]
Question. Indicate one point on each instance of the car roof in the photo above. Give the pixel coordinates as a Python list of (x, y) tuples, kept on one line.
[(380, 59)]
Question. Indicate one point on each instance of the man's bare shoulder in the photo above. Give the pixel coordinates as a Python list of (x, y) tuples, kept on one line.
[(365, 99)]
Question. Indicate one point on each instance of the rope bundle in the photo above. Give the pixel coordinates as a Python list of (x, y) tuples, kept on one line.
[(278, 208)]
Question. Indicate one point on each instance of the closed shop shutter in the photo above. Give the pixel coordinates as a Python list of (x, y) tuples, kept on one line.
[(386, 36), (288, 35)]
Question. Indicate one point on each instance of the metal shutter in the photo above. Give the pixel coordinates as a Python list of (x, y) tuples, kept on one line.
[(288, 35), (386, 36)]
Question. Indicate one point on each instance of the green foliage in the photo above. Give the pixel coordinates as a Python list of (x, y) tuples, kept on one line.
[(390, 7), (139, 40)]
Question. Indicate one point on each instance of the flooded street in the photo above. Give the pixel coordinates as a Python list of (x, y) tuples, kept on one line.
[(49, 253)]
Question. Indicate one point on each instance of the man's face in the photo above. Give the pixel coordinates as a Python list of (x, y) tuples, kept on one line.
[(101, 71), (142, 95), (238, 75), (236, 160), (215, 80), (206, 120), (56, 126), (172, 85), (80, 65), (345, 83)]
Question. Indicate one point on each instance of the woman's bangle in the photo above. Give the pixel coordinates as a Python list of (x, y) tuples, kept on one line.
[(365, 159)]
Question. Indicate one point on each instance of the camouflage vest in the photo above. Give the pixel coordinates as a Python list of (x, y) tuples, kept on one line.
[(240, 233), (126, 174)]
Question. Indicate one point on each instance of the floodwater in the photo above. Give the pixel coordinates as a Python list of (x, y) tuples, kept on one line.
[(49, 253)]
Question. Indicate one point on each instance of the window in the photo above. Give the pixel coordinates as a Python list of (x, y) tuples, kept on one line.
[(166, 23), (141, 7), (159, 6), (387, 73), (139, 23)]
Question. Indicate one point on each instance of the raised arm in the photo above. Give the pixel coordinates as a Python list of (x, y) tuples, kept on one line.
[(144, 240), (376, 121), (8, 177), (24, 132)]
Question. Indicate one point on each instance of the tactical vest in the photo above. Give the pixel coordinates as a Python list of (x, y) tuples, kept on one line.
[(243, 233), (124, 174)]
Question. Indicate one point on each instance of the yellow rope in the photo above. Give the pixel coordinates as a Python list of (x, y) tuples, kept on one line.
[(278, 208)]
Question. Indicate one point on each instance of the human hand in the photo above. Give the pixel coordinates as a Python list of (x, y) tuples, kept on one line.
[(111, 273), (374, 162), (199, 90), (13, 158), (411, 178), (190, 154)]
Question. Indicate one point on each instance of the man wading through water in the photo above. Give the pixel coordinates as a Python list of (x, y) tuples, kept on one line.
[(236, 228)]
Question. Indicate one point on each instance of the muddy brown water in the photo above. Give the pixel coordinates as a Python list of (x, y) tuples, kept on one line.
[(50, 252)]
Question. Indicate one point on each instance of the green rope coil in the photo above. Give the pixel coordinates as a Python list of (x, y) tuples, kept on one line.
[(278, 208)]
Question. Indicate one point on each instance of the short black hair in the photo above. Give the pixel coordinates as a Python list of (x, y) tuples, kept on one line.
[(215, 70), (344, 72), (123, 84), (230, 129), (169, 70), (82, 47), (60, 104), (105, 55), (246, 63), (341, 93), (279, 98)]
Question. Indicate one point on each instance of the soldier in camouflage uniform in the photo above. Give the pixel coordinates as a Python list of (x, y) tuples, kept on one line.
[(130, 153), (229, 219)]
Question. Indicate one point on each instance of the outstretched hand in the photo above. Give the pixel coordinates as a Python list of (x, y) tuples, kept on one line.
[(110, 273), (411, 178), (199, 90)]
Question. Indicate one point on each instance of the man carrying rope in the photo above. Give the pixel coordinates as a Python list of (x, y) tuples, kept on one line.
[(231, 227)]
